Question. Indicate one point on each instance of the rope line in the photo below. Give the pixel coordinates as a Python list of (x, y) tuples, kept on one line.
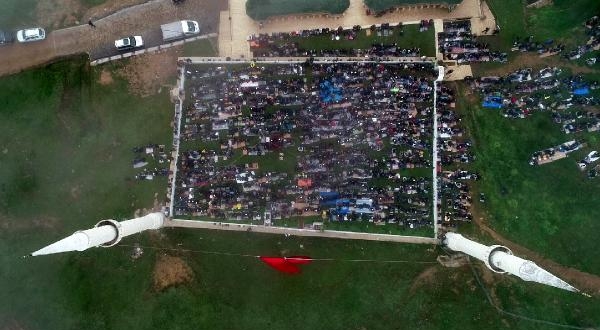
[(290, 258), (519, 316)]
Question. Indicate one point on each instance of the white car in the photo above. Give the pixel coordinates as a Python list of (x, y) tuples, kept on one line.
[(129, 42), (33, 34), (590, 158)]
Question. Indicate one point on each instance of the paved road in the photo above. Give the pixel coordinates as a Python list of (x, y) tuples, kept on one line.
[(181, 223), (144, 19)]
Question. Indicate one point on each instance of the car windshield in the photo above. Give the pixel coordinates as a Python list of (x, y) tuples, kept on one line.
[(191, 26), (126, 42)]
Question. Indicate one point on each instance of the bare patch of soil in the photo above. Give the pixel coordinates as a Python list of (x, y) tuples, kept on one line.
[(43, 222), (148, 73), (453, 261), (11, 325), (426, 277), (75, 192), (588, 283), (58, 13), (105, 78), (170, 271)]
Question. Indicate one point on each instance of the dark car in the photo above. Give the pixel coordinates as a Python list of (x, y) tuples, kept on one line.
[(6, 37)]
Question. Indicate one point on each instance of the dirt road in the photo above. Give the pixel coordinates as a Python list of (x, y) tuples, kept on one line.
[(143, 19)]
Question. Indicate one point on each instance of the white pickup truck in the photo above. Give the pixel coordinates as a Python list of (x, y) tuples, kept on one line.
[(179, 30)]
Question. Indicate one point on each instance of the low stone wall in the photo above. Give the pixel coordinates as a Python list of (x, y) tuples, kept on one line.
[(151, 49)]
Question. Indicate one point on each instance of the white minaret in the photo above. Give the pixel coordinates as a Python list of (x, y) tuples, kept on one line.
[(106, 233), (500, 259)]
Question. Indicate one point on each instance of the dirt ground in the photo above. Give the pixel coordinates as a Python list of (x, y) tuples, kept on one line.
[(147, 74), (425, 278), (170, 271), (105, 77), (57, 14)]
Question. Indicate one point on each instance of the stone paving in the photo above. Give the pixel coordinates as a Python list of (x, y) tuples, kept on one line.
[(241, 25)]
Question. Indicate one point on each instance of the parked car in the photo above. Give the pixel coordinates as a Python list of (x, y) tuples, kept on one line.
[(6, 37), (33, 34), (129, 42)]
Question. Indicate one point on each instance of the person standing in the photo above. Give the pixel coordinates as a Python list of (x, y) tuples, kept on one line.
[(90, 23)]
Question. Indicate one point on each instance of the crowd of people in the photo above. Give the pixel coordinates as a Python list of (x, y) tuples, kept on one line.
[(287, 45), (454, 151), (153, 155), (549, 47), (457, 43), (522, 92), (335, 140)]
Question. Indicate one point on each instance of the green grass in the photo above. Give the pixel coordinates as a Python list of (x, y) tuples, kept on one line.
[(201, 48), (61, 129), (409, 39), (262, 9), (562, 21), (17, 14), (66, 163), (381, 5), (551, 209)]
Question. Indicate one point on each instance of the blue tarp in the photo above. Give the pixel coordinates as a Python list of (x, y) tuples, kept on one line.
[(329, 93), (581, 91), (494, 102), (330, 195)]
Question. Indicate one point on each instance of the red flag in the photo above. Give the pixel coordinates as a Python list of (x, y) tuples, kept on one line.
[(286, 265)]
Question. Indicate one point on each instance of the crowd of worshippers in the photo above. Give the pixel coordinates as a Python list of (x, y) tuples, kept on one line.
[(524, 91), (549, 47), (153, 155), (336, 140), (287, 45), (457, 43), (454, 151)]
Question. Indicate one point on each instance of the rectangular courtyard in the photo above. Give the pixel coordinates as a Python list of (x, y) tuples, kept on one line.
[(333, 145)]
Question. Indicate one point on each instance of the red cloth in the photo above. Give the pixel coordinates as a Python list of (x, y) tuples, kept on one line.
[(286, 265)]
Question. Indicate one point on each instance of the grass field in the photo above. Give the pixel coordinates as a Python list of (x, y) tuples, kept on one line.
[(381, 5), (411, 38), (262, 9), (562, 21), (17, 13), (65, 158), (551, 208), (202, 47)]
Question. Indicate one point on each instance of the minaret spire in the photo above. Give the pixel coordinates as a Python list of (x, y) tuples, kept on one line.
[(500, 259), (106, 233)]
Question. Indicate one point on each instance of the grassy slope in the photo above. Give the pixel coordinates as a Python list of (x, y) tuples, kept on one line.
[(202, 47), (104, 289), (558, 21), (65, 163), (381, 5), (547, 208), (262, 9), (17, 13), (411, 38)]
